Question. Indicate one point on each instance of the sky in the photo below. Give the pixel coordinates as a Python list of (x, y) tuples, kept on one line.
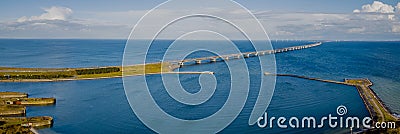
[(281, 19)]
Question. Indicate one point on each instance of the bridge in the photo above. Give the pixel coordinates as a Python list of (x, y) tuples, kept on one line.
[(9, 74), (315, 79), (240, 55)]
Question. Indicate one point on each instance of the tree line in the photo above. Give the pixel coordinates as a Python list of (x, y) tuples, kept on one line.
[(97, 70), (35, 76), (55, 75)]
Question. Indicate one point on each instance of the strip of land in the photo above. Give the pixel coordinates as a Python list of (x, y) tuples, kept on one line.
[(374, 104), (8, 74)]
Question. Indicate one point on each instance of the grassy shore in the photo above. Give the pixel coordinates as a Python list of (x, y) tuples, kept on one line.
[(8, 74), (382, 112), (36, 122), (379, 112), (12, 110)]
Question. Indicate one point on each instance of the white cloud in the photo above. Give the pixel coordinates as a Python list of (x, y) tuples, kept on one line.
[(376, 7), (391, 17), (398, 7), (379, 11), (396, 28), (52, 13), (370, 22), (283, 33), (56, 22)]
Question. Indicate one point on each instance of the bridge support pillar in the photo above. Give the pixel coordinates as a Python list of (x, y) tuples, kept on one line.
[(180, 64), (198, 61)]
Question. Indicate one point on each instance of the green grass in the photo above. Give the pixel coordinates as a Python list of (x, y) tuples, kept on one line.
[(10, 74), (13, 125), (14, 129), (11, 107)]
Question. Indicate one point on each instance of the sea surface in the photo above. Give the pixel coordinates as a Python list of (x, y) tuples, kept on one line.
[(100, 106)]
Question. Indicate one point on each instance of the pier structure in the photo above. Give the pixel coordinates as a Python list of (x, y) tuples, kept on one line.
[(40, 121), (211, 59), (13, 95), (315, 79), (13, 112), (375, 106)]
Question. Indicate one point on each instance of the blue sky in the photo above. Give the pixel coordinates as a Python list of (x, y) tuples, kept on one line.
[(282, 19)]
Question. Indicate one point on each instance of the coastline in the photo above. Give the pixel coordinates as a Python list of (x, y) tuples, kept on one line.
[(8, 74), (133, 70), (378, 112)]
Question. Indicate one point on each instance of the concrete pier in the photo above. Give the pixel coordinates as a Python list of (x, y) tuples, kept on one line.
[(309, 78), (27, 101), (13, 95), (206, 72), (37, 122), (375, 106)]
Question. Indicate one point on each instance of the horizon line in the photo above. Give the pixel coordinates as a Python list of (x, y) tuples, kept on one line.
[(325, 40)]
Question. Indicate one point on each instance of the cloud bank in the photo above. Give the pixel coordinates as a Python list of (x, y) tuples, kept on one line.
[(376, 7), (57, 22), (374, 21), (52, 13)]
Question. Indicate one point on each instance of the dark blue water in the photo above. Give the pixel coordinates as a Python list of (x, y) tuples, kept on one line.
[(100, 106)]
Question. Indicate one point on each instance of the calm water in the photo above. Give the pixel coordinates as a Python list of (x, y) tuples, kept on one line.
[(100, 106)]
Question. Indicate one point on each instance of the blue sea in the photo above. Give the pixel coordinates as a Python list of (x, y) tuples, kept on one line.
[(100, 106)]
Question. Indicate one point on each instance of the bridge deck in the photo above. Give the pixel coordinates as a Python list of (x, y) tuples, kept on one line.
[(242, 55)]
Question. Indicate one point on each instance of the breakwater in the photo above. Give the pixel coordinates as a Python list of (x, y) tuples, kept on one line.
[(37, 122), (13, 95), (27, 101), (13, 109), (375, 106)]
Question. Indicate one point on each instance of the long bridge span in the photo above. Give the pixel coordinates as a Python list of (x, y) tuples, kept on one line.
[(240, 55)]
